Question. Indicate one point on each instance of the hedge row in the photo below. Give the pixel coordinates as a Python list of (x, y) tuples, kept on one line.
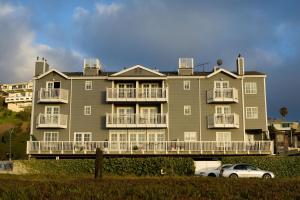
[(114, 166), (281, 166)]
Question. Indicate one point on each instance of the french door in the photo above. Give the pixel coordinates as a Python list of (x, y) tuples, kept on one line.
[(125, 115), (52, 114), (222, 115), (220, 86), (150, 90), (126, 90), (148, 115), (118, 140)]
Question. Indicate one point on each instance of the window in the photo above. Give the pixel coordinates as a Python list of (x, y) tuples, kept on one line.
[(223, 139), (82, 137), (186, 85), (88, 85), (190, 136), (87, 110), (250, 88), (251, 113), (187, 110), (50, 136)]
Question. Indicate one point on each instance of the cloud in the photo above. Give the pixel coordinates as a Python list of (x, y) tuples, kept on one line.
[(107, 9), (18, 49), (79, 12)]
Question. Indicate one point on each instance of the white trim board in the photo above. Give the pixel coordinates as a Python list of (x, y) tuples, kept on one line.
[(135, 67)]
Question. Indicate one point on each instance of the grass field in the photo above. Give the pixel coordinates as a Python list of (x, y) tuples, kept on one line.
[(66, 187)]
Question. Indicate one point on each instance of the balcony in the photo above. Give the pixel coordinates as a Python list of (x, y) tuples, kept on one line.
[(52, 121), (136, 94), (55, 95), (18, 99), (223, 121), (217, 95), (136, 120), (151, 147)]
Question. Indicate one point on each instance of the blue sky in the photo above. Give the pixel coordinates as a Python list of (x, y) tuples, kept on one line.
[(154, 34)]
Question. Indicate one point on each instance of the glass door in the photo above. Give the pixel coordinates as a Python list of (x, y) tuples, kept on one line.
[(149, 115)]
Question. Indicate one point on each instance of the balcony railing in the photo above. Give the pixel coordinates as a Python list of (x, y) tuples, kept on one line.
[(52, 121), (223, 121), (151, 147), (54, 95), (136, 94), (222, 95), (136, 120), (18, 99)]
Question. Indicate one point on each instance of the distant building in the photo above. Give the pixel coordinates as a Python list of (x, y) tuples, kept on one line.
[(139, 110), (286, 135), (17, 95)]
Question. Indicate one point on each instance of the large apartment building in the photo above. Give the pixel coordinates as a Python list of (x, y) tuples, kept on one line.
[(139, 110), (17, 95)]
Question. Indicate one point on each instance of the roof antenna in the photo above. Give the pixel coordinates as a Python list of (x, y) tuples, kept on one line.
[(203, 65)]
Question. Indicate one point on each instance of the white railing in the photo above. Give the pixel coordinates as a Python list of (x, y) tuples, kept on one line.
[(136, 94), (53, 95), (52, 121), (151, 147), (223, 121), (18, 99), (136, 120), (222, 95)]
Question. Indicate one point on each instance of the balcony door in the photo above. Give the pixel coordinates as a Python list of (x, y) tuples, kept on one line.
[(125, 115), (150, 90), (52, 114), (118, 140), (125, 90), (148, 115), (221, 112), (219, 88), (52, 89)]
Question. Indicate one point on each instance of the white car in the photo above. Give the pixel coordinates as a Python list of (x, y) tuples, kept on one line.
[(214, 172), (245, 171)]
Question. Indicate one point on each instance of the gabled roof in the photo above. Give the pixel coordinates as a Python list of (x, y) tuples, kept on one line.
[(224, 71), (138, 67), (50, 71)]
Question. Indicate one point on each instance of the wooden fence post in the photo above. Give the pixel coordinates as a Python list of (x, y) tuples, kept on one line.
[(99, 163)]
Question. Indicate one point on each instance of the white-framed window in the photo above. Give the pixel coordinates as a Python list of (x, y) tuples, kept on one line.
[(223, 109), (186, 85), (221, 84), (223, 139), (88, 85), (251, 113), (190, 136), (87, 110), (250, 88), (187, 110), (82, 137), (50, 136)]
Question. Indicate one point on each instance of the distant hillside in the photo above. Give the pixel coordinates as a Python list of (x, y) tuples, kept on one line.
[(20, 122)]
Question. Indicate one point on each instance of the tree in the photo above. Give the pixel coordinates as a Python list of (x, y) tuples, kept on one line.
[(283, 111)]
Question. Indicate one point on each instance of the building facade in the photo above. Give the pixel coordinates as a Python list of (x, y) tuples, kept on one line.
[(143, 111), (17, 95)]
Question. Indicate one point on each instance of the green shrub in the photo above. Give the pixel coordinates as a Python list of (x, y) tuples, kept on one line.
[(116, 166), (25, 114)]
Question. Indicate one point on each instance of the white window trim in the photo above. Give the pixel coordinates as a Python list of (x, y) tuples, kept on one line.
[(188, 135), (221, 84), (88, 83), (52, 108), (186, 85), (51, 133), (186, 108), (250, 88), (221, 143), (255, 114), (53, 83), (82, 136), (85, 110)]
